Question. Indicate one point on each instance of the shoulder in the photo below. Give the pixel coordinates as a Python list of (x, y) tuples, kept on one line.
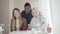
[(23, 13)]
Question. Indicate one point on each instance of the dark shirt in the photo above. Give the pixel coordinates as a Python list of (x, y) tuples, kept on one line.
[(27, 16)]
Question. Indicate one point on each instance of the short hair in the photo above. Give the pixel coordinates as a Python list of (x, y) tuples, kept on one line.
[(27, 4)]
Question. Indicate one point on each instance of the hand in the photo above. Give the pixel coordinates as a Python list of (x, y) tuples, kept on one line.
[(49, 29), (29, 28)]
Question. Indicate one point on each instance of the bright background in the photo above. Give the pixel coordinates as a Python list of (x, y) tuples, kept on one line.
[(49, 8)]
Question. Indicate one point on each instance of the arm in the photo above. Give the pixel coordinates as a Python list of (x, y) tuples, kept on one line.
[(24, 21)]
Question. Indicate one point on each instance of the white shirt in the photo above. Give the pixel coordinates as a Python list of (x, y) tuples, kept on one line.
[(38, 25)]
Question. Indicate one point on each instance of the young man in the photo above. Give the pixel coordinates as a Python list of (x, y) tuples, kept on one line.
[(27, 13)]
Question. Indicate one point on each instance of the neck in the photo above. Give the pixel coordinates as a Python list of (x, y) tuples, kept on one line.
[(17, 18), (37, 18)]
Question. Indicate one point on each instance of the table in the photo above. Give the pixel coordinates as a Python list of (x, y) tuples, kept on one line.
[(25, 32)]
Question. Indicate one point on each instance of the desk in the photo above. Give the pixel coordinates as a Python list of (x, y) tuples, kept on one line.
[(24, 32)]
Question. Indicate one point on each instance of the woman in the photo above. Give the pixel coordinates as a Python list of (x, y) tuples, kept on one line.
[(17, 22), (38, 22)]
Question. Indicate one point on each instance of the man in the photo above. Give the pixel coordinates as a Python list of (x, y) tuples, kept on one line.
[(27, 13)]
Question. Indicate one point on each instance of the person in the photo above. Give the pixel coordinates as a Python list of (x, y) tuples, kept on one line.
[(17, 22), (27, 13), (38, 22)]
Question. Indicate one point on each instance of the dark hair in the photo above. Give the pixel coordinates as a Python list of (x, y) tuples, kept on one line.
[(14, 10), (27, 4)]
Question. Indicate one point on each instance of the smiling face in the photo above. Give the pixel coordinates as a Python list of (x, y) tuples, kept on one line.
[(35, 13), (27, 9), (16, 13)]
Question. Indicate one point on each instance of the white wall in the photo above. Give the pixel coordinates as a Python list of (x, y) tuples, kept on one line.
[(0, 13), (55, 10), (4, 15), (20, 3)]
